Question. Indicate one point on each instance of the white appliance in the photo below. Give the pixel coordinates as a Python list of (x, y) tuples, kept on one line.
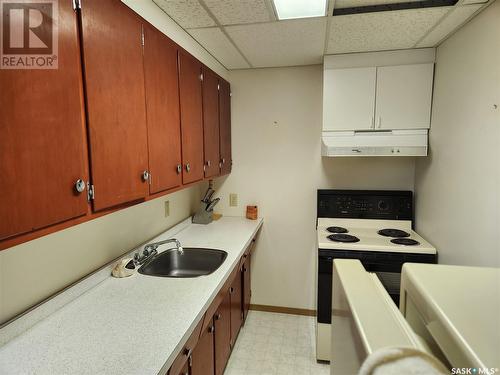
[(456, 309), (375, 143), (372, 226), (450, 312), (365, 318)]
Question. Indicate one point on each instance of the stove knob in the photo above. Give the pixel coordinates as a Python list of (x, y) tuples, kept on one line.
[(382, 205)]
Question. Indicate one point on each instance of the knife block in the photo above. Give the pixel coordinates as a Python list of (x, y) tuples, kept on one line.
[(203, 217)]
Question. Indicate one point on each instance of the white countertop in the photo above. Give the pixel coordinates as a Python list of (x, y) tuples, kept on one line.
[(135, 325), (461, 307)]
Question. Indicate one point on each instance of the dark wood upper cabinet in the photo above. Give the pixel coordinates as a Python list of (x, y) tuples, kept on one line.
[(226, 161), (114, 76), (211, 122), (222, 334), (43, 148), (163, 115), (191, 117), (203, 357)]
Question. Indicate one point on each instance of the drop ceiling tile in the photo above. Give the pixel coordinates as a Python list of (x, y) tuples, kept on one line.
[(284, 43), (230, 12), (187, 13), (452, 21), (361, 3), (215, 42), (382, 30)]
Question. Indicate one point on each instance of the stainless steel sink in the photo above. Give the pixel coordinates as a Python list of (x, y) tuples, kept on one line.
[(193, 262)]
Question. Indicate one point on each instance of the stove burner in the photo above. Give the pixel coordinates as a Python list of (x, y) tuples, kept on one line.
[(343, 238), (337, 230), (405, 241), (393, 233)]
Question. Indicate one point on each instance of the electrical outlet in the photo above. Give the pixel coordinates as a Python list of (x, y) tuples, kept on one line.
[(167, 208), (233, 200)]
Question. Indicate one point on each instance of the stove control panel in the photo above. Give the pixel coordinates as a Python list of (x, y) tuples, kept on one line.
[(362, 204)]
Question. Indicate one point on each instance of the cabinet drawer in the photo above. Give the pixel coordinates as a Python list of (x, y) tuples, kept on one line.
[(186, 351)]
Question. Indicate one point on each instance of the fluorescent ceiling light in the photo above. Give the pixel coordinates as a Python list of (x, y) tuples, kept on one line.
[(287, 9)]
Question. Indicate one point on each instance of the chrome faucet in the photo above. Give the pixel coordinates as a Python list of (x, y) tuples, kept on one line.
[(150, 250)]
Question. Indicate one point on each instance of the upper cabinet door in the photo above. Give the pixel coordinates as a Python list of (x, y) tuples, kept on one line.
[(211, 122), (114, 76), (225, 127), (42, 139), (404, 96), (191, 117), (349, 98), (163, 116)]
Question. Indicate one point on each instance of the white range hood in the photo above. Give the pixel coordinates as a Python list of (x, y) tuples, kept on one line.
[(375, 143)]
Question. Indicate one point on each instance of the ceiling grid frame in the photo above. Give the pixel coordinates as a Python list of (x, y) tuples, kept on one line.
[(271, 58), (222, 28)]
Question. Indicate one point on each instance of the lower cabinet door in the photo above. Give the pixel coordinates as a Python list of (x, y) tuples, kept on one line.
[(222, 335), (247, 291), (236, 306), (203, 357), (184, 370)]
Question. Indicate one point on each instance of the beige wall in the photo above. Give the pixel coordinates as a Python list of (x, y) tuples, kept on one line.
[(279, 167), (458, 186), (35, 270)]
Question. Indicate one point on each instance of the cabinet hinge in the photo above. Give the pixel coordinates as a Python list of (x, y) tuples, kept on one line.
[(77, 4), (142, 35), (218, 87), (201, 77), (90, 192)]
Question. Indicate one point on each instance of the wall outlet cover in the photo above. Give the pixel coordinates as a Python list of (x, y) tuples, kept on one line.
[(233, 200), (167, 208)]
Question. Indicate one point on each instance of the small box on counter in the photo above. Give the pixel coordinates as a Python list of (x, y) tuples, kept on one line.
[(252, 212)]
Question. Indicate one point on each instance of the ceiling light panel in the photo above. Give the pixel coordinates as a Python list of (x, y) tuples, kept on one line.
[(287, 9), (187, 13), (284, 43), (381, 31), (231, 12), (217, 43), (457, 17)]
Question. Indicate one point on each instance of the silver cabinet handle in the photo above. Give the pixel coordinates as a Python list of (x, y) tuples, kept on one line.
[(80, 186), (223, 161), (145, 176), (188, 167), (208, 163), (179, 169), (211, 329)]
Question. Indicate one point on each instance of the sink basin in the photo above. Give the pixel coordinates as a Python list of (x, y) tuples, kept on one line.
[(193, 262)]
